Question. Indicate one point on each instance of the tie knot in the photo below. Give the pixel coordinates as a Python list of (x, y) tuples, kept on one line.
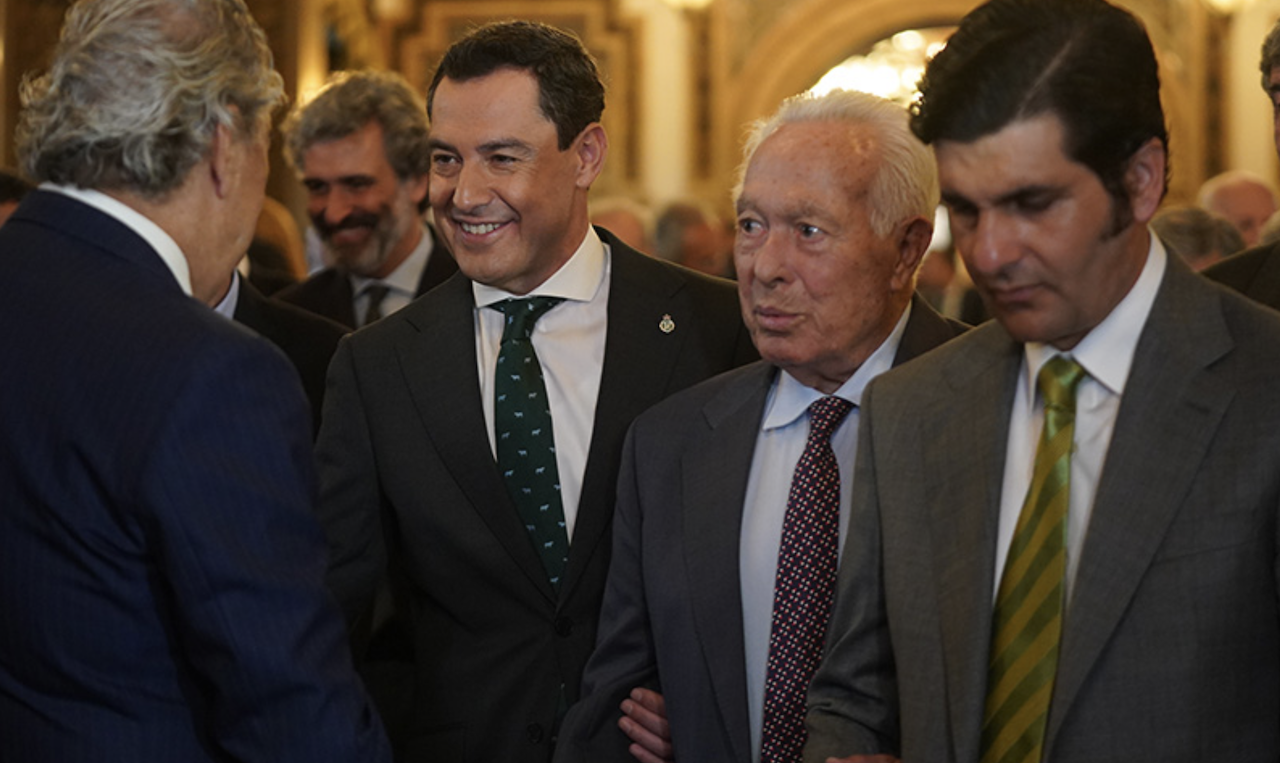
[(1058, 381), (522, 314), (825, 414), (377, 291)]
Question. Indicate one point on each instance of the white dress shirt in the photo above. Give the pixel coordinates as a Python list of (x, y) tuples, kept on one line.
[(153, 234), (784, 430), (402, 283), (569, 340), (227, 307), (1106, 354)]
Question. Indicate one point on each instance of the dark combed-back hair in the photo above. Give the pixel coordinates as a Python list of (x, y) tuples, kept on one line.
[(1087, 62), (1270, 55), (569, 89)]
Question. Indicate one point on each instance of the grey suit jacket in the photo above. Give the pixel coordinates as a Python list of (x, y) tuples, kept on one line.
[(672, 617), (408, 479), (1171, 642), (1254, 273)]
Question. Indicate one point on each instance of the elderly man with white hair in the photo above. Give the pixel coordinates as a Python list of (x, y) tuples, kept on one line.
[(733, 494)]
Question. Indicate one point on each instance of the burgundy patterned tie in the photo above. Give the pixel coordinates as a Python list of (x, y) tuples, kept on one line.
[(805, 584)]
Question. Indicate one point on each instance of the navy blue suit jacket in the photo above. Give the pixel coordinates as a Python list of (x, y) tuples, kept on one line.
[(160, 567)]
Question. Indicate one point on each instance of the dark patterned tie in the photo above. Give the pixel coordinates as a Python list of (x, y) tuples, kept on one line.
[(1027, 624), (805, 584), (376, 292), (522, 427)]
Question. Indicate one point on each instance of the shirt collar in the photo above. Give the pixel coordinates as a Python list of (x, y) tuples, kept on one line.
[(577, 280), (1106, 352), (790, 399), (405, 278), (153, 234), (227, 307)]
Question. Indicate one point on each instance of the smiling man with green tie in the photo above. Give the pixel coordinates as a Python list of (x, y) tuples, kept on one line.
[(491, 508)]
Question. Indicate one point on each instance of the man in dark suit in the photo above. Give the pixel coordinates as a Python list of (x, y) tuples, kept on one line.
[(835, 212), (503, 614), (1063, 542), (360, 148), (161, 570), (1255, 273)]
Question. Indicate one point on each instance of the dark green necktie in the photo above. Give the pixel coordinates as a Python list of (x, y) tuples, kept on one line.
[(1027, 625), (522, 428)]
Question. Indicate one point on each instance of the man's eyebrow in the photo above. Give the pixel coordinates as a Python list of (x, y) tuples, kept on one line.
[(951, 198), (506, 144), (1020, 194)]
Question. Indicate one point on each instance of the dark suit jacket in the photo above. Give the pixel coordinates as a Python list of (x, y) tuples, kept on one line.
[(306, 338), (672, 614), (1171, 641), (328, 292), (409, 478), (161, 572), (1254, 273)]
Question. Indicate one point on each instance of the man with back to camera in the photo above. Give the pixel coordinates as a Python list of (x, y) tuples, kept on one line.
[(161, 571), (708, 597), (493, 513), (1256, 272), (360, 148), (1063, 542)]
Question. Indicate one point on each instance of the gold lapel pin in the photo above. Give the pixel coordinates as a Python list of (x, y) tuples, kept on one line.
[(666, 325)]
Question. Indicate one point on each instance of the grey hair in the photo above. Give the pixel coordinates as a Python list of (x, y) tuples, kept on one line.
[(905, 184), (351, 100), (138, 89), (1230, 179)]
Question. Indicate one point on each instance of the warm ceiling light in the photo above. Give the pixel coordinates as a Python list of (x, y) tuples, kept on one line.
[(1228, 7), (688, 5)]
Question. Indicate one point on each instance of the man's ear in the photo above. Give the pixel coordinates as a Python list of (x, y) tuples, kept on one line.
[(912, 239), (590, 147), (1144, 180), (223, 160), (417, 188)]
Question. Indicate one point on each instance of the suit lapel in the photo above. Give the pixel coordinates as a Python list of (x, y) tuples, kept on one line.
[(440, 265), (1171, 407), (638, 360), (341, 297), (964, 514), (714, 474), (925, 330), (1265, 284), (447, 397)]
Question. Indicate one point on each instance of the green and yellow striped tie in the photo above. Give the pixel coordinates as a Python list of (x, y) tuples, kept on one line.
[(1027, 624)]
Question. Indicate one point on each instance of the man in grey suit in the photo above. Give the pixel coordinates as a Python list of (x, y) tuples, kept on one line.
[(835, 211), (1129, 610), (504, 591)]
